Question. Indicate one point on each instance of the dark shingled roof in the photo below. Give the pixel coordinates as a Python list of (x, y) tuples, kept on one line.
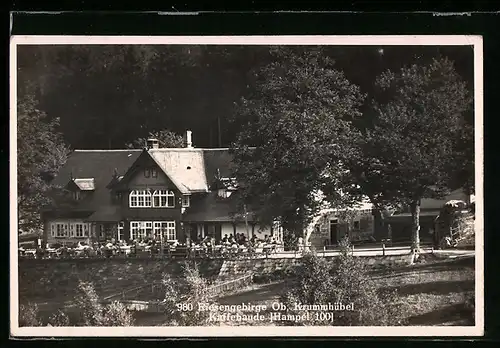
[(103, 165), (97, 164), (107, 213), (217, 160), (212, 208)]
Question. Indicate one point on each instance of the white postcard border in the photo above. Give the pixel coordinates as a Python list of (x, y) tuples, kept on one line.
[(256, 331)]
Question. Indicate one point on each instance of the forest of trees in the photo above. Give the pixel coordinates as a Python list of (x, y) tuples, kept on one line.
[(107, 96), (316, 115)]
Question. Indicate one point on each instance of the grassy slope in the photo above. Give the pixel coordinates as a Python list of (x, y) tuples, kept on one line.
[(432, 293)]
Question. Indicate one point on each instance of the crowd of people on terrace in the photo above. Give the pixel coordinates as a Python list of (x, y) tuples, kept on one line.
[(201, 246)]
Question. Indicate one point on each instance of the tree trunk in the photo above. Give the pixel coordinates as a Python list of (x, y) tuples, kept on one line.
[(415, 228), (379, 226)]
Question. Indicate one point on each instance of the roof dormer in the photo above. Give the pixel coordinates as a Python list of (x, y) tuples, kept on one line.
[(80, 186), (115, 179), (225, 186), (87, 184)]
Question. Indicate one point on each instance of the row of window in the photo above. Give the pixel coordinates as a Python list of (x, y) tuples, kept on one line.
[(158, 229), (155, 199), (72, 230), (138, 230)]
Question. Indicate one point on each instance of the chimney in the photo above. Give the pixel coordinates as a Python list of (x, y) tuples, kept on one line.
[(153, 143), (188, 141)]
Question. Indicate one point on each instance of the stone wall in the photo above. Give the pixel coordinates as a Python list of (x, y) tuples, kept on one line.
[(46, 280), (57, 280), (259, 267)]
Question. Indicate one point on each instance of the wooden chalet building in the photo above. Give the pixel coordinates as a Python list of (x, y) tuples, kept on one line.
[(134, 194)]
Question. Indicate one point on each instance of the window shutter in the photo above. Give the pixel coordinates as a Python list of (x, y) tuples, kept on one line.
[(52, 230), (86, 230)]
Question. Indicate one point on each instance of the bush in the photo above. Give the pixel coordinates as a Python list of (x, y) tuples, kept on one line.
[(115, 314), (183, 297), (346, 281), (87, 300), (60, 318), (93, 313), (28, 315)]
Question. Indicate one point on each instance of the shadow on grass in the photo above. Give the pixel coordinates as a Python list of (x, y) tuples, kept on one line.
[(456, 314), (436, 266), (442, 287)]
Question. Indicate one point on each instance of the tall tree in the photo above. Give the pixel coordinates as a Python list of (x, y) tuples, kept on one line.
[(296, 130), (415, 145), (41, 153)]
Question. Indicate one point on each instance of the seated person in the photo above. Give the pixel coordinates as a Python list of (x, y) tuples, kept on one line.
[(243, 239)]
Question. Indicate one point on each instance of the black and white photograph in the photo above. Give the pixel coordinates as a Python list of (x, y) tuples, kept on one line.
[(253, 186)]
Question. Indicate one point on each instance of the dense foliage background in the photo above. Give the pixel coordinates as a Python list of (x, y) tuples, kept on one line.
[(315, 114), (106, 96)]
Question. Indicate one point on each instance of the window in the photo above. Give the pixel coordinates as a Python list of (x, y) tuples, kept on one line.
[(140, 199), (59, 229), (140, 229), (224, 193), (147, 172), (163, 199), (154, 173), (134, 230), (117, 197), (185, 201), (76, 195), (120, 230), (79, 230), (165, 229)]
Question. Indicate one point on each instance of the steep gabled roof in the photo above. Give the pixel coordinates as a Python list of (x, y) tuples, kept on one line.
[(184, 166), (99, 165), (191, 170)]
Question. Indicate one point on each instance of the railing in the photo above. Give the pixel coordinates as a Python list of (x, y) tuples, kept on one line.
[(180, 252), (121, 295), (384, 247), (231, 285), (213, 290), (157, 306)]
